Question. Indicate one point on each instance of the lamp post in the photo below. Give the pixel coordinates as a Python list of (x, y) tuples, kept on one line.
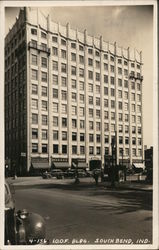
[(113, 167)]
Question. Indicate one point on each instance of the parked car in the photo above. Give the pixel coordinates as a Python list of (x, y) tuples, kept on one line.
[(22, 227), (82, 173), (70, 173), (57, 173), (46, 175)]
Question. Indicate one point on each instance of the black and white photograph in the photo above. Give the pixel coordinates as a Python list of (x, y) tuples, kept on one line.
[(79, 101)]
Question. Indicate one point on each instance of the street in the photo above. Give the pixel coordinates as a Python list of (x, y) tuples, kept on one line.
[(93, 215)]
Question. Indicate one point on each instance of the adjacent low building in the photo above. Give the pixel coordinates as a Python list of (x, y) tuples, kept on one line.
[(68, 95)]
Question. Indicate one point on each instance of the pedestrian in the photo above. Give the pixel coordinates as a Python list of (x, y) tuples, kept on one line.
[(96, 176)]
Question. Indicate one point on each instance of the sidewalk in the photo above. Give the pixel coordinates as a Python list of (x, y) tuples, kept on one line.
[(84, 182)]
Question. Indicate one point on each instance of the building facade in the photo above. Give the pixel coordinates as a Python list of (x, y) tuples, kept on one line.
[(67, 95)]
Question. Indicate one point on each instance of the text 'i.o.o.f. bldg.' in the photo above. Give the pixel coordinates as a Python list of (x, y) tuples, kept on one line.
[(67, 96)]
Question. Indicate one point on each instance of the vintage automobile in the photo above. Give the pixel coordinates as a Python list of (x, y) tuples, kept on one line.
[(21, 227), (57, 173)]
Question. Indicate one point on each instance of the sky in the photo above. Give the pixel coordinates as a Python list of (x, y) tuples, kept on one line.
[(129, 26)]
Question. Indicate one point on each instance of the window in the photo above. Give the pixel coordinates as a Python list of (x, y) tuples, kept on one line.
[(91, 150), (133, 141), (120, 140), (112, 58), (63, 67), (133, 96), (97, 101), (132, 65), (138, 87), (55, 121), (44, 119), (97, 64), (55, 65), (64, 108), (55, 148), (34, 74), (91, 137), (126, 129), (33, 31), (119, 93), (105, 79), (81, 136), (139, 119), (64, 95), (90, 51), (132, 85), (55, 107), (74, 110), (63, 42), (106, 126), (113, 115), (34, 118), (43, 34), (119, 82), (97, 138), (106, 139), (90, 87), (97, 113), (120, 128), (105, 56), (34, 59), (120, 106), (64, 136), (74, 149), (139, 152), (44, 105), (73, 45), (44, 91), (139, 130), (119, 71), (112, 80), (139, 141), (81, 85), (97, 53), (81, 124), (34, 104), (44, 134), (55, 51), (90, 74), (138, 108), (98, 128), (126, 106), (81, 59), (105, 90), (64, 81), (34, 133), (74, 97), (64, 122), (81, 72), (125, 63), (125, 95), (73, 57), (125, 72), (64, 149), (34, 89), (63, 54), (106, 66), (55, 93), (74, 123), (112, 92), (133, 107), (111, 68), (73, 70), (81, 98), (34, 148), (126, 117), (106, 114), (133, 118), (98, 149), (82, 150), (44, 62), (138, 98), (90, 62), (81, 111), (43, 76), (97, 89), (106, 103), (55, 39), (126, 140), (119, 61), (125, 83), (133, 129), (90, 125), (81, 48), (90, 112), (55, 79), (112, 104), (55, 134), (74, 136), (97, 77)]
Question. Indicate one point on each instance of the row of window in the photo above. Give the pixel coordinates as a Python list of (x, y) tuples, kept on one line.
[(121, 128), (44, 149)]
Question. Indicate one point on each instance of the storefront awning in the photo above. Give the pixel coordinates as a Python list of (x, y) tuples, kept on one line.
[(82, 165), (61, 165), (40, 165), (139, 165)]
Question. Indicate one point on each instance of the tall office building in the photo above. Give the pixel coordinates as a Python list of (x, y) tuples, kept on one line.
[(67, 95)]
